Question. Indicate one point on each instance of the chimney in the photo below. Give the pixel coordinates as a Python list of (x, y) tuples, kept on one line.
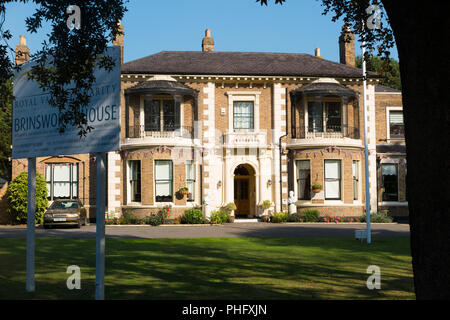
[(347, 46), (119, 40), (208, 42), (317, 53), (22, 51)]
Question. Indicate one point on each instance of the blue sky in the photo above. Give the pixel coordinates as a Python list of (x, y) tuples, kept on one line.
[(236, 25)]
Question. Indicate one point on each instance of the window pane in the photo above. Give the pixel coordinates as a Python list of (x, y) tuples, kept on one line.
[(303, 179), (332, 189), (48, 172), (396, 126), (169, 115), (243, 115), (62, 172), (152, 115), (75, 190), (333, 116), (61, 190), (75, 172), (332, 169), (163, 181), (390, 182), (190, 170), (135, 180), (163, 170), (332, 179), (315, 116)]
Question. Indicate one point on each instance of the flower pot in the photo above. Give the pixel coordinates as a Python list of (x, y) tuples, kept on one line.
[(316, 190), (184, 192)]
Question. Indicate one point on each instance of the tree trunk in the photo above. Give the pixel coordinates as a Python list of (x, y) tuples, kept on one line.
[(421, 32)]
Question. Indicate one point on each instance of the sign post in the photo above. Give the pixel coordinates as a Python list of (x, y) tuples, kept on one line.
[(100, 228), (31, 224), (35, 134)]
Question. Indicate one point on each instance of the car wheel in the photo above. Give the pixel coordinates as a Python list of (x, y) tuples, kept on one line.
[(79, 224)]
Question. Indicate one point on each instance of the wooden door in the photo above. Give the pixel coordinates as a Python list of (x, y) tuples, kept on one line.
[(242, 196)]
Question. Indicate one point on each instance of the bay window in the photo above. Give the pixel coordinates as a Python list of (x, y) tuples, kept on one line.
[(324, 115), (161, 114)]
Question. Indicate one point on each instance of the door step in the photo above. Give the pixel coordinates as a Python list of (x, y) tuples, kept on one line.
[(247, 220)]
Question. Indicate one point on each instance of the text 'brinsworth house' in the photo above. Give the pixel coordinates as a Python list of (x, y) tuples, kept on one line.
[(244, 127)]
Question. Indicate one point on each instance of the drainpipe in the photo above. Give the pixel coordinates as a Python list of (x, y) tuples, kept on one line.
[(281, 170)]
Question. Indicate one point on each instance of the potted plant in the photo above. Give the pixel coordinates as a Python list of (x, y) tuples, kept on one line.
[(316, 188), (184, 191), (230, 207), (266, 205)]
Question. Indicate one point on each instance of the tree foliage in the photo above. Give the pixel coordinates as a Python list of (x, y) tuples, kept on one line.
[(69, 57), (5, 131), (390, 70), (17, 195)]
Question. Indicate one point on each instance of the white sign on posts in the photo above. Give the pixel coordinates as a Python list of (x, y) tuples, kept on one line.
[(36, 134), (35, 123)]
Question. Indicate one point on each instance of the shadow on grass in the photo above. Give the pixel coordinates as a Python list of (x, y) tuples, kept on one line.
[(250, 268)]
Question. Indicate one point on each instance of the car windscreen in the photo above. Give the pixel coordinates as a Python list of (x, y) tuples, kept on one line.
[(64, 205)]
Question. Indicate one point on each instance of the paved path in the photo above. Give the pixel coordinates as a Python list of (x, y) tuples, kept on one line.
[(233, 230)]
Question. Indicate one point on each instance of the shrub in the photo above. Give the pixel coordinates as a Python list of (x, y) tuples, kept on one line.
[(311, 215), (266, 204), (220, 217), (17, 195), (192, 216), (154, 219), (316, 186), (377, 217), (230, 207), (279, 217), (128, 218), (295, 217)]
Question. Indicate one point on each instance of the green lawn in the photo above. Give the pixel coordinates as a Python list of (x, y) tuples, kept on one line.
[(232, 268)]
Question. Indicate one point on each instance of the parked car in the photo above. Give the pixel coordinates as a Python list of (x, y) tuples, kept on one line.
[(65, 212)]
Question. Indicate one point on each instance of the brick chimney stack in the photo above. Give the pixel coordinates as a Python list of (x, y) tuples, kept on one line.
[(208, 42), (347, 46), (22, 51), (317, 53), (119, 41)]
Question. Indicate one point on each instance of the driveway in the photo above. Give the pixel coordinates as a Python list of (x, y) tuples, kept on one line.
[(233, 230)]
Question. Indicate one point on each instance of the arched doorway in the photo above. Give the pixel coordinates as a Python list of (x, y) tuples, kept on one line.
[(244, 191)]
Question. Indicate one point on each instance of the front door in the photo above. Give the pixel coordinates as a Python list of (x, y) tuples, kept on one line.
[(242, 196)]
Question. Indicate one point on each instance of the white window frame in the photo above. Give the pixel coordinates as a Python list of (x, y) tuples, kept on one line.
[(154, 183), (341, 182), (388, 127), (128, 182), (252, 96)]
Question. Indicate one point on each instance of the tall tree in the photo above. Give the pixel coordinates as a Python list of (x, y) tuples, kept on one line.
[(73, 53), (421, 36), (390, 70), (5, 130)]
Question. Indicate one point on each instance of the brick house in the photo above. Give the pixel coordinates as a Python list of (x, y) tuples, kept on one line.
[(244, 127)]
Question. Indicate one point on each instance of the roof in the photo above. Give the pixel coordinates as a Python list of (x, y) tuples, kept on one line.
[(324, 88), (161, 86), (240, 63), (383, 89), (391, 148)]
